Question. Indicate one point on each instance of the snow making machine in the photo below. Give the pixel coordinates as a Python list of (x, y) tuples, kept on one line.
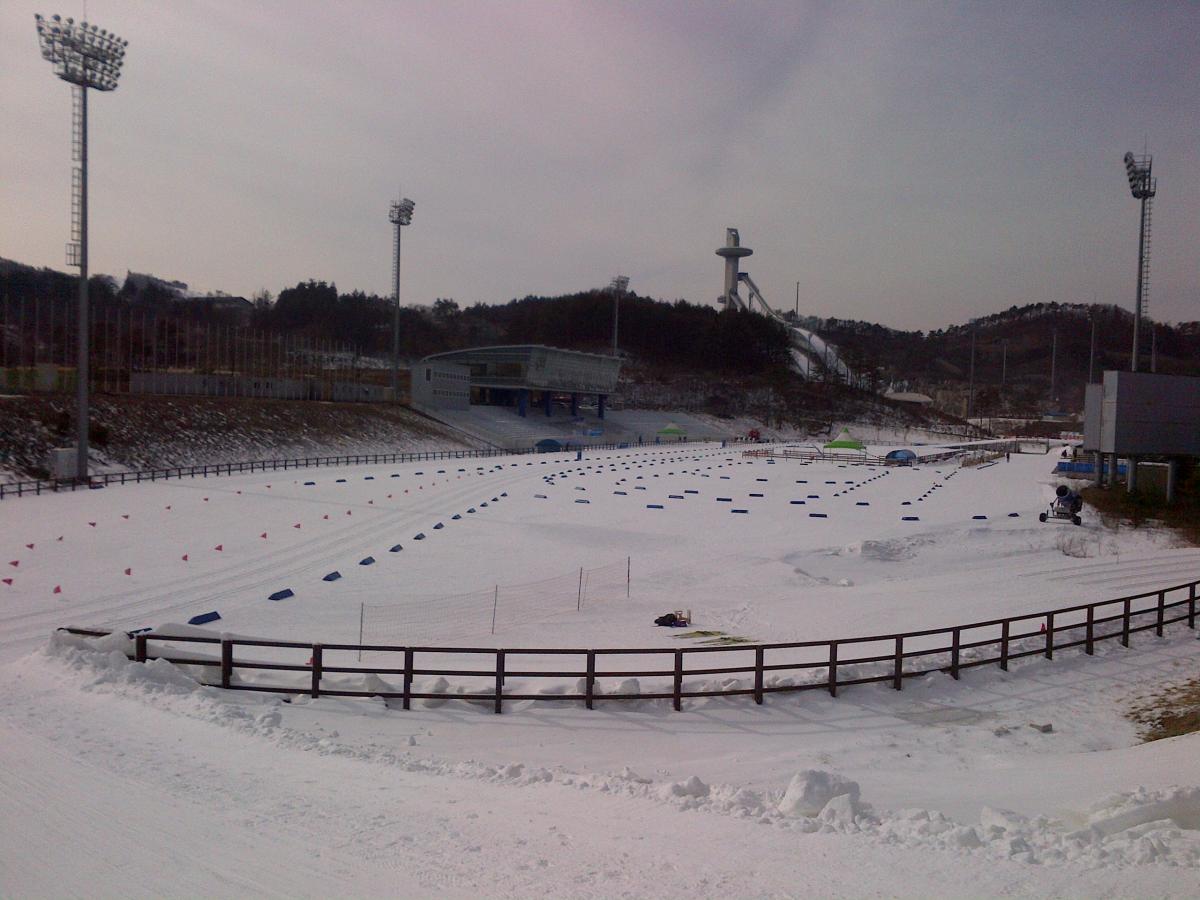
[(1066, 505)]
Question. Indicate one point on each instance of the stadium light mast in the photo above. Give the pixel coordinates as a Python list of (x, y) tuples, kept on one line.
[(618, 286), (86, 57), (399, 215), (1143, 186)]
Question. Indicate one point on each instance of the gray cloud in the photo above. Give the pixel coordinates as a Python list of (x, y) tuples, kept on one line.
[(913, 164)]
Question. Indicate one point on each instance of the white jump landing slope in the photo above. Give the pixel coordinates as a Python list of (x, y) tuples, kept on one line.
[(133, 779)]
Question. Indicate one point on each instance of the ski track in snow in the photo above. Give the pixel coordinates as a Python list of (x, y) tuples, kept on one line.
[(134, 779)]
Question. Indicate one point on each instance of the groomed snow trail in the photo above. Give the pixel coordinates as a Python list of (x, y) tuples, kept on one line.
[(134, 780)]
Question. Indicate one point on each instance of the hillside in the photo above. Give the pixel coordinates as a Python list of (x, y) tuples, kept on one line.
[(1013, 351)]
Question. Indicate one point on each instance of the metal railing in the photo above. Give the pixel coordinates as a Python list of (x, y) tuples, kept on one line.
[(889, 658), (21, 488)]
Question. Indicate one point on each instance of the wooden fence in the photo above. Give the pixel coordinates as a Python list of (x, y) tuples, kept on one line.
[(888, 658)]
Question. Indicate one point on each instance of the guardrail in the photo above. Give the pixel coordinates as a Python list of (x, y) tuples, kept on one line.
[(21, 488), (889, 658)]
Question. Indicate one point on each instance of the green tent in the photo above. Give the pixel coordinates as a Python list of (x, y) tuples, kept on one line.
[(672, 430), (844, 442)]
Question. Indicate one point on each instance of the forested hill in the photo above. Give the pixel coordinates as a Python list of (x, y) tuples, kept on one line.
[(1013, 349)]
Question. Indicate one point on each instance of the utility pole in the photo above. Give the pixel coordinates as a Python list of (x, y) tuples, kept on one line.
[(618, 286), (1092, 353), (1053, 364), (1003, 362), (797, 301), (971, 387)]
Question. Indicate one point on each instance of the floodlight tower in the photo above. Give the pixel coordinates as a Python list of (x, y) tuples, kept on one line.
[(731, 253), (618, 286), (86, 57), (1143, 187), (400, 215)]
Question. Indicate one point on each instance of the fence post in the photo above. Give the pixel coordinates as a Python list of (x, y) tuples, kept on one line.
[(1192, 605), (955, 641), (898, 671), (499, 678), (1089, 647), (758, 675), (677, 691), (226, 662), (139, 648), (408, 677), (833, 668), (1158, 625), (316, 670), (589, 681), (1125, 626), (1049, 635), (1004, 646), (629, 571), (579, 597)]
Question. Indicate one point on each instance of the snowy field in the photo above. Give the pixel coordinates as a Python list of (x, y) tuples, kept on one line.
[(134, 780)]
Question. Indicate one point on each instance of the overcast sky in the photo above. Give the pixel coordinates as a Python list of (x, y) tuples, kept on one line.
[(915, 164)]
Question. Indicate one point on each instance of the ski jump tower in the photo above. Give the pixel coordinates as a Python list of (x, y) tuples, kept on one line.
[(731, 253), (812, 355)]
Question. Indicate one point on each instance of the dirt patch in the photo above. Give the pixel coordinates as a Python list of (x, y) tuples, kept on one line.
[(153, 432), (1169, 713)]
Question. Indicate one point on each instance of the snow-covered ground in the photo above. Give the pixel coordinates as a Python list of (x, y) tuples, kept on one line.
[(130, 779)]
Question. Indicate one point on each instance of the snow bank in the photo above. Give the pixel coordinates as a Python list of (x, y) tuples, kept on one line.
[(810, 791)]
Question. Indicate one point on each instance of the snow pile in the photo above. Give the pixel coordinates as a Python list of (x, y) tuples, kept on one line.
[(810, 791), (1129, 829)]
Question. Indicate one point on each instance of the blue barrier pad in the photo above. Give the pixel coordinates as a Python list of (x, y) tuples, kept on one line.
[(472, 509), (743, 511), (455, 517), (332, 576), (582, 500), (755, 495), (906, 503), (621, 493), (341, 481), (818, 515), (282, 595), (691, 492), (419, 536), (368, 478), (978, 517), (309, 483), (796, 502), (367, 561), (395, 475), (1014, 515), (724, 499), (760, 479), (862, 503), (654, 506), (504, 494), (396, 548), (202, 619), (674, 496), (438, 526), (910, 519)]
